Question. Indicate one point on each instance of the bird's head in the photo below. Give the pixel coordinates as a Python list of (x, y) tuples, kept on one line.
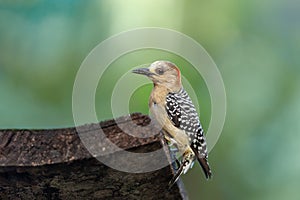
[(162, 73)]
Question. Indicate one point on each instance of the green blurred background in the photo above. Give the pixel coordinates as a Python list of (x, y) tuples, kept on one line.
[(254, 43)]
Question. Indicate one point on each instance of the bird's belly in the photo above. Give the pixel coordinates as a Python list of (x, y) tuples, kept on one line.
[(159, 114), (163, 120)]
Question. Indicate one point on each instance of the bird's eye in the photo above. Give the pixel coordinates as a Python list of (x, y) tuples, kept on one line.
[(159, 71)]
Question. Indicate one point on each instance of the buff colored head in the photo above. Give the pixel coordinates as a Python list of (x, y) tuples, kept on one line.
[(162, 73)]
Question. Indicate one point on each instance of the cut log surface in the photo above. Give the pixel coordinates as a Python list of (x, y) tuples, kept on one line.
[(55, 164)]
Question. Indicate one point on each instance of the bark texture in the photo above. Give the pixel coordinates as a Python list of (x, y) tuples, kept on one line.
[(55, 163)]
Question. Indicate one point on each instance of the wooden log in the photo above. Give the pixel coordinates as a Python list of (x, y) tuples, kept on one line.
[(54, 164)]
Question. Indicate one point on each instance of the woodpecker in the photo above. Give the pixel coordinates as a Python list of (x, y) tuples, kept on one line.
[(173, 109)]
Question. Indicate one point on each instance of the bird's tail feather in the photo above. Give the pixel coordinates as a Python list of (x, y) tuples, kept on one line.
[(205, 167), (204, 164)]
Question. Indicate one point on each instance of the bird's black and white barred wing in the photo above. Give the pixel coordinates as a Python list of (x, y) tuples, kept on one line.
[(181, 111)]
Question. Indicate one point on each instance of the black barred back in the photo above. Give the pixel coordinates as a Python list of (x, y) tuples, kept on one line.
[(183, 114)]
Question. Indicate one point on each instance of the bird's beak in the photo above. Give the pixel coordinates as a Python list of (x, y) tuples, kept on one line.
[(143, 71)]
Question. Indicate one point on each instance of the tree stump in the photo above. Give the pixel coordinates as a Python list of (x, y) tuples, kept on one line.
[(54, 164)]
